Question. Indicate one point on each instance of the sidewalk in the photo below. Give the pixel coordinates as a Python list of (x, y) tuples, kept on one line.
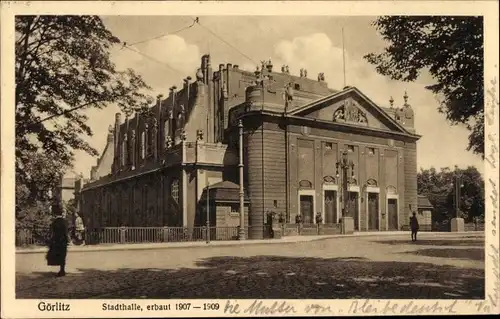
[(284, 240)]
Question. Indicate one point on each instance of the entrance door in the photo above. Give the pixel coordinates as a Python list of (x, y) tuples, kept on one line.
[(373, 211), (306, 209), (392, 212), (354, 208), (331, 216)]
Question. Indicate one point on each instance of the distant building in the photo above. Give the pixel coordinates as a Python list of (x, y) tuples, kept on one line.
[(64, 191), (156, 167)]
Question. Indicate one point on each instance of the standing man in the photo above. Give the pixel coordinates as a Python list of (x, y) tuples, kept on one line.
[(79, 229), (413, 225), (298, 221)]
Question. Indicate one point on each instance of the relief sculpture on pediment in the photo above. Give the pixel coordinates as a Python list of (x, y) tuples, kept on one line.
[(349, 113)]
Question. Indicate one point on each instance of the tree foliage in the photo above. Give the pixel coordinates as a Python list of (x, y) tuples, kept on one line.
[(62, 68), (439, 188), (451, 50)]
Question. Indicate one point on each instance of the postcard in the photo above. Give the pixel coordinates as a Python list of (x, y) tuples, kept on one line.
[(258, 158)]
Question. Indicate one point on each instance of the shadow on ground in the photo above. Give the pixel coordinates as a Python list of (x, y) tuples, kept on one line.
[(265, 277), (464, 253), (434, 242)]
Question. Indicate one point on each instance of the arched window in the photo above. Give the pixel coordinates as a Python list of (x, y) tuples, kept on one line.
[(174, 190)]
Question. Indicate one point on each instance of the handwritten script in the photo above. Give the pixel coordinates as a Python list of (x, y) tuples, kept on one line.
[(493, 249), (396, 308), (259, 307)]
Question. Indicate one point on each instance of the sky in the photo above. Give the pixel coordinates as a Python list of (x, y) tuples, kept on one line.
[(314, 43)]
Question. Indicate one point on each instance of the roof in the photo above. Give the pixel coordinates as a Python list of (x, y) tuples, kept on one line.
[(345, 91), (225, 185), (423, 202), (224, 191)]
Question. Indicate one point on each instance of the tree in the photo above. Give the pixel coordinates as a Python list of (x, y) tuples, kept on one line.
[(451, 50), (439, 188), (62, 68)]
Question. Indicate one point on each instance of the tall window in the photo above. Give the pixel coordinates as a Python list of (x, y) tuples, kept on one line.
[(174, 190), (143, 145), (149, 141), (124, 152), (166, 131)]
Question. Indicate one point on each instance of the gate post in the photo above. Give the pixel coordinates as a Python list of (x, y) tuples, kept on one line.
[(123, 230), (165, 234)]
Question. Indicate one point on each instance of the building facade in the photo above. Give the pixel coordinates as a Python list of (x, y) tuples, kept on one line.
[(158, 165)]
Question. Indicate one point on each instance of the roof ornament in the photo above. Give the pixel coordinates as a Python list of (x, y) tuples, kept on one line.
[(391, 101), (269, 65), (407, 110), (199, 75), (257, 71), (405, 97)]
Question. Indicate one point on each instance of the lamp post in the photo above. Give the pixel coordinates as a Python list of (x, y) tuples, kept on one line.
[(458, 184), (208, 212), (241, 233), (343, 165)]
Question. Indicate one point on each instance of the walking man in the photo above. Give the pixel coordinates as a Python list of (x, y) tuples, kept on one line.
[(58, 246), (413, 225)]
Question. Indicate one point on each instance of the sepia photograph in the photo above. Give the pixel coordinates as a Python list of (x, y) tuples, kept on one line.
[(250, 156)]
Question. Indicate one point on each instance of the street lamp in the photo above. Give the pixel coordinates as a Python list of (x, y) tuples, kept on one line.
[(343, 165), (208, 212), (458, 184), (241, 233)]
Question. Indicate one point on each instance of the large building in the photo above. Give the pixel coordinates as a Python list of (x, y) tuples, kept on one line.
[(157, 165)]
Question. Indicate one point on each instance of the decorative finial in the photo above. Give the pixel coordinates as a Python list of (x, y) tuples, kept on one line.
[(269, 66), (257, 71), (199, 75), (391, 100), (406, 98)]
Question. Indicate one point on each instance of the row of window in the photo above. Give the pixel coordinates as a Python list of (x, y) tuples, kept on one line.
[(145, 145)]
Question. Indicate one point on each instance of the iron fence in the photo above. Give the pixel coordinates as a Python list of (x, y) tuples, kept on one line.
[(133, 235), (40, 236)]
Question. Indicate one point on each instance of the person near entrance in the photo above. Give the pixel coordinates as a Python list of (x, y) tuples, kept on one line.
[(319, 220), (413, 225)]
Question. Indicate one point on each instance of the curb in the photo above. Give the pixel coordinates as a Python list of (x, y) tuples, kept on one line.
[(291, 240)]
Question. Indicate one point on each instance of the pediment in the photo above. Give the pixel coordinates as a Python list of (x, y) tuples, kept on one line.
[(349, 107)]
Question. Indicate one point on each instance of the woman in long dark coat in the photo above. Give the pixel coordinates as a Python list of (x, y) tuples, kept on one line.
[(58, 246)]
